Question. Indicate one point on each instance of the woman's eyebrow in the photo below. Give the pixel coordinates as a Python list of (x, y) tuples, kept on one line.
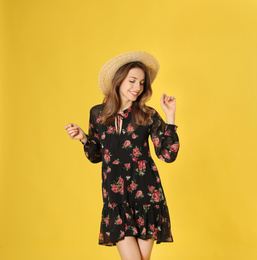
[(136, 78)]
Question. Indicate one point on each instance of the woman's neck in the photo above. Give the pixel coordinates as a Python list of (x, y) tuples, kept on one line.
[(124, 106)]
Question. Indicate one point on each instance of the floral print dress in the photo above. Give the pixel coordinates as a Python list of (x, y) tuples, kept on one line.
[(134, 203)]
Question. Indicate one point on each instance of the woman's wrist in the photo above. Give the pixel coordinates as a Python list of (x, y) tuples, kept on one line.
[(84, 139), (170, 119)]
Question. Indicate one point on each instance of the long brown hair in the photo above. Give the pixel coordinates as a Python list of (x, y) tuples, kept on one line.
[(141, 114)]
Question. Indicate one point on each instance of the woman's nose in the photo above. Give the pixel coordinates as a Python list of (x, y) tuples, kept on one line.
[(137, 85)]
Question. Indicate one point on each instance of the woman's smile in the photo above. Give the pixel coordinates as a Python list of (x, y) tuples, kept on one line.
[(132, 86), (133, 93)]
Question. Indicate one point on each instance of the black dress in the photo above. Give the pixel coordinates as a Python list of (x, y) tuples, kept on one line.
[(134, 203)]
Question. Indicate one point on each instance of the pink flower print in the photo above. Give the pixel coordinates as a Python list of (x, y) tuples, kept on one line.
[(107, 157), (156, 195), (127, 165), (155, 233), (134, 159), (139, 193), (116, 162), (174, 147), (122, 190), (166, 155), (175, 127), (156, 141), (100, 235), (140, 222), (125, 115), (106, 220), (167, 132), (154, 168), (103, 136), (151, 188), (144, 231), (122, 234), (96, 135), (104, 193), (105, 176), (108, 169), (106, 151), (115, 188), (160, 157), (134, 136), (111, 130), (127, 143), (119, 221), (141, 165), (114, 204), (121, 181), (133, 186), (98, 119), (126, 227), (130, 128), (135, 230), (152, 227), (136, 152)]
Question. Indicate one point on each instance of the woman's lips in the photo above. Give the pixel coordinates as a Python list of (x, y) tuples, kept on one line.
[(135, 94)]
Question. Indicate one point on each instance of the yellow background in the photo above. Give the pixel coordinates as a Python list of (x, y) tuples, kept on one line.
[(51, 53)]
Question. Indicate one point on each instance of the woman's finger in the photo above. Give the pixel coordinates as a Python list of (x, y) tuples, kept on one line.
[(72, 128), (68, 126), (72, 132)]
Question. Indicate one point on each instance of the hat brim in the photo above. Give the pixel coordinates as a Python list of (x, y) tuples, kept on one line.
[(109, 69)]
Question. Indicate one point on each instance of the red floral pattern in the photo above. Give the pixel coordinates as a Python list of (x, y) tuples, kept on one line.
[(134, 201)]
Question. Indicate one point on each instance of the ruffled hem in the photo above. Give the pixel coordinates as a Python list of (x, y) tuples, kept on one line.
[(148, 221)]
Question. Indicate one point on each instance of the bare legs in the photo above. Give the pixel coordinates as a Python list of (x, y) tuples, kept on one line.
[(131, 248)]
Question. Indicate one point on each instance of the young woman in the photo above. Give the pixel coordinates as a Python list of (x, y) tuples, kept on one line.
[(135, 211)]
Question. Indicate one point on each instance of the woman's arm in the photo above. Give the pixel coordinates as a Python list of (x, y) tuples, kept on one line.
[(91, 143), (168, 105), (164, 135)]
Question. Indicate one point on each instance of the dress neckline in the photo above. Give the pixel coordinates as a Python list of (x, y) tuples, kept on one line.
[(127, 110)]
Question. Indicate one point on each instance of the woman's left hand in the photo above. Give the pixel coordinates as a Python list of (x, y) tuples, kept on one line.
[(168, 104)]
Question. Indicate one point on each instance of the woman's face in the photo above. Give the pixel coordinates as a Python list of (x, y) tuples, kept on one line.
[(132, 86)]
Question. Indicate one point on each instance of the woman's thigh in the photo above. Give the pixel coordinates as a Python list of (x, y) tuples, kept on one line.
[(145, 248), (128, 249)]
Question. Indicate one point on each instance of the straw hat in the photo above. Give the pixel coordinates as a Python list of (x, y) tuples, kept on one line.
[(109, 69)]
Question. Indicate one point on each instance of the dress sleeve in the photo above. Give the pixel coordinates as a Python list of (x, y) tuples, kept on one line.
[(165, 138), (92, 147)]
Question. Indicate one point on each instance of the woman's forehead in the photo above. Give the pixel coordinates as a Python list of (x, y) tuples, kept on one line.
[(137, 73)]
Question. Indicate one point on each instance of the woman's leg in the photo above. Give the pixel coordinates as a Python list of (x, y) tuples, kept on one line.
[(128, 249), (145, 248)]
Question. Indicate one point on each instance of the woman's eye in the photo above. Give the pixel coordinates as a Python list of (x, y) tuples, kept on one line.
[(132, 81), (142, 84)]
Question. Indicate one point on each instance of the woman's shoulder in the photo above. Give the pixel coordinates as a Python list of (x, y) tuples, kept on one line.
[(153, 111), (96, 110)]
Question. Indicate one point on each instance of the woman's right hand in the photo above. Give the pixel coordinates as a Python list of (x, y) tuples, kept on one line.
[(75, 132)]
